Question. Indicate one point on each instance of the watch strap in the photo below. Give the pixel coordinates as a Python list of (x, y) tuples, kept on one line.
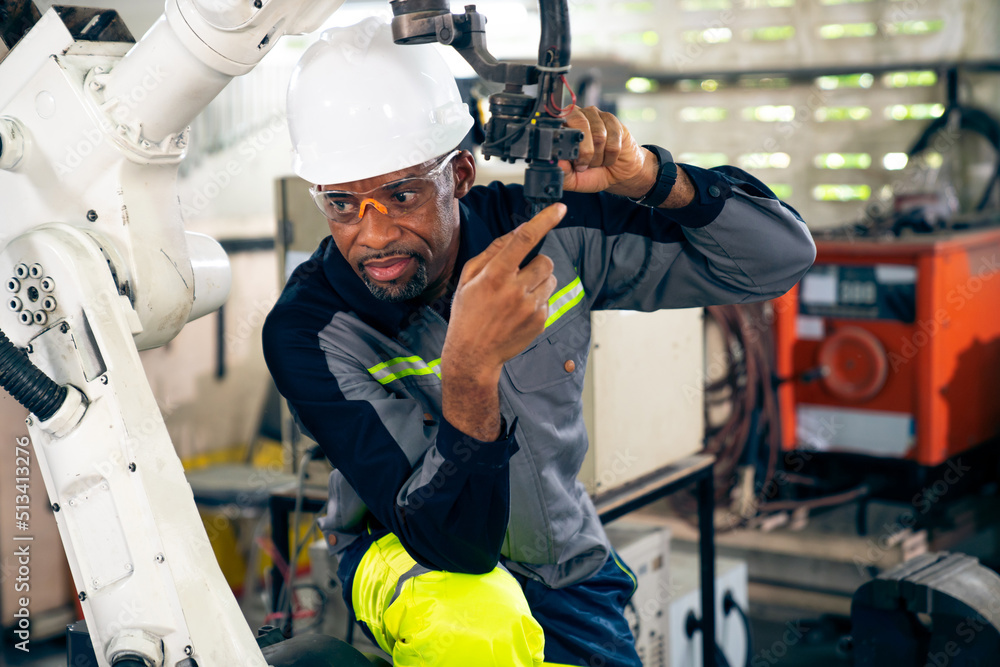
[(666, 176)]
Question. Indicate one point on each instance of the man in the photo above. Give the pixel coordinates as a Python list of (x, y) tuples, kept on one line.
[(444, 382)]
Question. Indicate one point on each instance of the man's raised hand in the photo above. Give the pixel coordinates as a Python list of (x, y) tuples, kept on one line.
[(499, 308)]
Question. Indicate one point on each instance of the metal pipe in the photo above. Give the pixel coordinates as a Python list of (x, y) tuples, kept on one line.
[(161, 85), (706, 548)]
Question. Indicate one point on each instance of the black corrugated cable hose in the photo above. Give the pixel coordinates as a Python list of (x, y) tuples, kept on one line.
[(29, 386)]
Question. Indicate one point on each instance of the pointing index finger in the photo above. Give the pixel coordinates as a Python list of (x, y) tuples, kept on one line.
[(527, 235)]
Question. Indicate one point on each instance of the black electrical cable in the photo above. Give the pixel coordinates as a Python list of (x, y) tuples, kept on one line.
[(286, 596), (26, 383), (692, 625), (555, 36), (514, 135), (972, 120), (729, 604), (720, 657)]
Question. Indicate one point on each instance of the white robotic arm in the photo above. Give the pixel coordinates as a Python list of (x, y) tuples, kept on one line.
[(97, 266)]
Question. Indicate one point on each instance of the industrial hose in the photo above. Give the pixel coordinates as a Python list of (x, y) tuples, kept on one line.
[(26, 383), (970, 120)]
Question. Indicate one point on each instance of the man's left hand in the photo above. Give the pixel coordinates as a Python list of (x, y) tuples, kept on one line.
[(610, 159)]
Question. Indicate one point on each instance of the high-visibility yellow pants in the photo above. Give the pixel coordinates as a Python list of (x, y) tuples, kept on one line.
[(443, 619)]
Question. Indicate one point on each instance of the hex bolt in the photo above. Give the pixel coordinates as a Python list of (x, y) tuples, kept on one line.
[(13, 285), (104, 379), (35, 271), (41, 317), (131, 467), (258, 3), (82, 596), (15, 304), (55, 507), (64, 328), (92, 215), (49, 303), (47, 284), (187, 649), (21, 270), (159, 558)]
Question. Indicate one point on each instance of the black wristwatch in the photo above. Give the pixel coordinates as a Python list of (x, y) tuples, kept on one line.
[(666, 176)]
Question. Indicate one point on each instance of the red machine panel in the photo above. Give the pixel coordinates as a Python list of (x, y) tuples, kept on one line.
[(894, 347)]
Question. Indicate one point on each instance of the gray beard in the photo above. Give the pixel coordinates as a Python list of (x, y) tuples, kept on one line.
[(396, 292)]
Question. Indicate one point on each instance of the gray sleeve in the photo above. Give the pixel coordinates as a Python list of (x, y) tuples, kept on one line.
[(754, 249)]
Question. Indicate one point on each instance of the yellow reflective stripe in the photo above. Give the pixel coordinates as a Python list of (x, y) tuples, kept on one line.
[(564, 300), (558, 295), (635, 584), (400, 367), (392, 362)]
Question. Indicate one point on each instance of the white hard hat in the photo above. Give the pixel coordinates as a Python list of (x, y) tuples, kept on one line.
[(360, 105)]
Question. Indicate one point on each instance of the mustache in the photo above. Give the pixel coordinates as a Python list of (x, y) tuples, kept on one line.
[(388, 252)]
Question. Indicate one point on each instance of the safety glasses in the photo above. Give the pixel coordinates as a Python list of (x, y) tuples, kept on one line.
[(392, 199)]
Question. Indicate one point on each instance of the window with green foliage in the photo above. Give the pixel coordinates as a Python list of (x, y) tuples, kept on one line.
[(841, 192), (855, 113), (860, 80), (843, 160)]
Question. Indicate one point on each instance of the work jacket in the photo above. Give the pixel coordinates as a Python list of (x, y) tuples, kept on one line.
[(363, 375)]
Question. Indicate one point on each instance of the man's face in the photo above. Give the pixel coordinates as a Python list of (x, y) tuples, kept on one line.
[(400, 257)]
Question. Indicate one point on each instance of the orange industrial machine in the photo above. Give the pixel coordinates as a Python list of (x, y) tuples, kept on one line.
[(891, 347)]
